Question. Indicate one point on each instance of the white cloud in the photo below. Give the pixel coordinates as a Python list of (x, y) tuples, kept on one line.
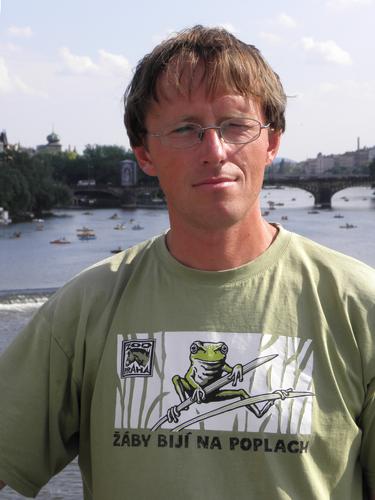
[(327, 50), (271, 38), (27, 89), (20, 31), (286, 21), (12, 83), (79, 65), (114, 63), (11, 47), (5, 80), (106, 64), (342, 4)]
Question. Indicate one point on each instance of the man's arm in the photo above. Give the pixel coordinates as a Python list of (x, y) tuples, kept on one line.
[(2, 484)]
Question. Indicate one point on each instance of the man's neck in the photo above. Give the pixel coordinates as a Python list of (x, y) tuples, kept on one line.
[(222, 249)]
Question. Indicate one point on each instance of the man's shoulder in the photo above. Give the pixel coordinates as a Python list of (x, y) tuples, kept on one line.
[(107, 277), (329, 263), (115, 264)]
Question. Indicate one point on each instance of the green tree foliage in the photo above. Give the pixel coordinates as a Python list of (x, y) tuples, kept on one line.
[(15, 195), (27, 184), (103, 163), (372, 169), (40, 182)]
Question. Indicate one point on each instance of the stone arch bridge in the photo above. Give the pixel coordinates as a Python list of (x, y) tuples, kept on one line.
[(102, 195), (322, 188)]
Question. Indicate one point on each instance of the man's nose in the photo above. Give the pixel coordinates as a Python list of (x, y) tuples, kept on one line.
[(212, 145), (212, 127)]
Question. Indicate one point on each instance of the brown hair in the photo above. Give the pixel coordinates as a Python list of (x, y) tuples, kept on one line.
[(227, 62)]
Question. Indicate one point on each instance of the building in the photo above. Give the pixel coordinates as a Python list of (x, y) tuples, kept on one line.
[(317, 166), (348, 162), (129, 171), (53, 145), (3, 141)]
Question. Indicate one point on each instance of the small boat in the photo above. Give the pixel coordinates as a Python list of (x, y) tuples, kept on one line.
[(348, 226), (60, 241), (117, 250), (265, 213), (4, 217), (338, 216), (313, 212), (136, 227), (284, 217), (16, 235), (119, 227), (85, 233), (114, 216), (39, 224)]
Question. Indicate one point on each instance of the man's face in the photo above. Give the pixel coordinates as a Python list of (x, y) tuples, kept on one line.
[(212, 185)]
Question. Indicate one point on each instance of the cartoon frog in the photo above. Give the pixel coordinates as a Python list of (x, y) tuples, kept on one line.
[(207, 364)]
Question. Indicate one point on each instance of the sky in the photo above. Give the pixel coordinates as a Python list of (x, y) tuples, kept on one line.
[(64, 65)]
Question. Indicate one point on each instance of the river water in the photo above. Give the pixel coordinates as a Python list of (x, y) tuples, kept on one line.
[(31, 268)]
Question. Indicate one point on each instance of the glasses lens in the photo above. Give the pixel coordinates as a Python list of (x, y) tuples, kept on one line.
[(240, 130), (183, 135)]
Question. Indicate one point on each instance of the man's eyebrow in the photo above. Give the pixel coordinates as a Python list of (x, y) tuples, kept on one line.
[(196, 119), (187, 118)]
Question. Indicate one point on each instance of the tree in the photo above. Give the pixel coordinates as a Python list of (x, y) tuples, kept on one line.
[(372, 169), (15, 195), (103, 163), (27, 185)]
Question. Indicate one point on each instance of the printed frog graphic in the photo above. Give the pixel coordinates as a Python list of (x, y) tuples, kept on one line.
[(208, 364)]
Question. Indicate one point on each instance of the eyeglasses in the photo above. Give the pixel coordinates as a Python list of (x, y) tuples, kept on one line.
[(232, 131)]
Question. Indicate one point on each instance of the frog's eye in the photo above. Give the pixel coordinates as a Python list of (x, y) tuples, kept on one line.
[(194, 348), (224, 349)]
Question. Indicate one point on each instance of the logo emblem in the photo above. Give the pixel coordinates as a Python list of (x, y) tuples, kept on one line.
[(137, 358)]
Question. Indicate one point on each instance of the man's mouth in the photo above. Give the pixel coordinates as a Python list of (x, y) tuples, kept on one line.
[(215, 181)]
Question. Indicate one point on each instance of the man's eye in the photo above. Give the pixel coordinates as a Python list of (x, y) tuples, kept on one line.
[(238, 125), (187, 128)]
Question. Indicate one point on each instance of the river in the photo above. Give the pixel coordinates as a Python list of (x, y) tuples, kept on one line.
[(31, 268)]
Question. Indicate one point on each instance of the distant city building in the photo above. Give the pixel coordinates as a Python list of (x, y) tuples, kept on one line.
[(317, 166), (53, 145), (128, 173), (349, 162), (3, 141)]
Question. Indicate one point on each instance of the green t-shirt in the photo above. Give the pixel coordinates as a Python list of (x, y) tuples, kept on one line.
[(114, 352)]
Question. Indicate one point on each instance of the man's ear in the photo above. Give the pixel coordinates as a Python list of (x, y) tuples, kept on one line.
[(274, 139), (144, 160)]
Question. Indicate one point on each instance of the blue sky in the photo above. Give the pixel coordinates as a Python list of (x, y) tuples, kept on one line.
[(65, 64)]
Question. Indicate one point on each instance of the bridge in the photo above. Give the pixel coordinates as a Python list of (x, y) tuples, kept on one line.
[(102, 195), (322, 188)]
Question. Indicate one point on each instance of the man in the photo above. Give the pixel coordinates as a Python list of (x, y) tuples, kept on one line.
[(227, 358)]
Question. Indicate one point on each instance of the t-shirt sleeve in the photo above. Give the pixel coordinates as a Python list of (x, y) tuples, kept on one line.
[(39, 408), (367, 423)]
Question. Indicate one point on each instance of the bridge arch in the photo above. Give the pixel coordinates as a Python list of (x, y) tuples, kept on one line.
[(322, 188), (102, 197)]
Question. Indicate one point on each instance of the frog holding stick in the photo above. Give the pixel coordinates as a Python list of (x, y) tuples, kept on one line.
[(208, 364)]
